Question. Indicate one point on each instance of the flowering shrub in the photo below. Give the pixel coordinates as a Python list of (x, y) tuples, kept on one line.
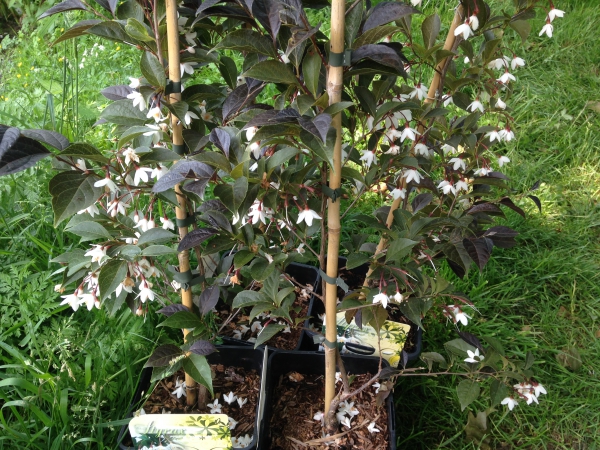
[(427, 123)]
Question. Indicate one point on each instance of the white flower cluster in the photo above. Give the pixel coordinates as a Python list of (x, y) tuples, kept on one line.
[(526, 391), (456, 314), (384, 299), (89, 294), (242, 441)]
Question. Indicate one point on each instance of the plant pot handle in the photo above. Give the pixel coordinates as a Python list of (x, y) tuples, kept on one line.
[(360, 349)]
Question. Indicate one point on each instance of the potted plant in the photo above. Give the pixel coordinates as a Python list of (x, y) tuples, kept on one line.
[(238, 376), (240, 326), (261, 161)]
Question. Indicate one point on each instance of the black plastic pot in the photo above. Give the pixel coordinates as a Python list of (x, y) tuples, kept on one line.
[(317, 307), (282, 362), (228, 355), (303, 274)]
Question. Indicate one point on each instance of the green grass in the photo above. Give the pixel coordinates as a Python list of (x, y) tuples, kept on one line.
[(543, 295)]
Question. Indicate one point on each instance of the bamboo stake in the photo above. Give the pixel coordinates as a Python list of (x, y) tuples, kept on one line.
[(335, 80), (181, 210), (434, 89)]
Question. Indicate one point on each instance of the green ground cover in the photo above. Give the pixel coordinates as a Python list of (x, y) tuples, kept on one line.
[(62, 374)]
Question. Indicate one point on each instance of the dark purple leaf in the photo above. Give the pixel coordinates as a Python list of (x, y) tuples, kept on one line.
[(386, 12), (484, 207), (163, 355), (318, 127), (501, 236), (18, 152), (388, 372), (380, 54), (212, 205), (118, 92), (299, 35), (52, 138), (471, 339), (421, 201), (203, 348), (195, 237), (169, 310), (109, 5), (206, 4), (8, 136), (535, 186), (68, 5), (233, 12), (509, 204), (274, 117), (537, 201), (240, 97), (183, 170), (208, 299), (292, 9), (197, 187), (76, 30), (479, 249), (497, 175), (221, 139), (457, 269), (267, 13), (358, 319), (403, 359)]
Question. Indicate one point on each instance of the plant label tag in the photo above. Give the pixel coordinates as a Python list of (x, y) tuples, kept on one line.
[(181, 431), (364, 341)]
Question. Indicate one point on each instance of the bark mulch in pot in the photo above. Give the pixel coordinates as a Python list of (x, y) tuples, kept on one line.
[(299, 397), (242, 382)]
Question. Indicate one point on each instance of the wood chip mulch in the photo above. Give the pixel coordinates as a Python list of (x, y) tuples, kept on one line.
[(243, 383), (296, 403)]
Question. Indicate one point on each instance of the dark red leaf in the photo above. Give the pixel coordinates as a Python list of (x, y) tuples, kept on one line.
[(203, 348), (386, 12), (471, 339), (169, 310), (509, 204), (537, 201), (479, 249), (163, 355), (195, 237)]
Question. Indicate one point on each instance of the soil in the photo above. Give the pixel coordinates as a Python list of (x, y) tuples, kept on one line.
[(296, 402), (243, 383), (282, 340)]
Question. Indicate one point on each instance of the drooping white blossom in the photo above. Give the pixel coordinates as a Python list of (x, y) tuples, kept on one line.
[(180, 388), (369, 158), (554, 13), (308, 215), (381, 298)]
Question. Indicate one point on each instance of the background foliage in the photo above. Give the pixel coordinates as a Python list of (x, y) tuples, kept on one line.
[(542, 296)]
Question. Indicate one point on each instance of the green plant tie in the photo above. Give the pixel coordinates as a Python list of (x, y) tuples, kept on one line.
[(329, 344), (189, 220), (340, 59), (173, 87), (180, 149)]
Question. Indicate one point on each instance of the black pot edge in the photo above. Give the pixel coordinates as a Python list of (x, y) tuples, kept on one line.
[(233, 341), (306, 338), (144, 384), (264, 425)]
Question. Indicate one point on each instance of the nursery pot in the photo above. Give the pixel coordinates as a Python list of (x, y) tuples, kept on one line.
[(317, 307), (303, 274), (237, 356), (310, 363)]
